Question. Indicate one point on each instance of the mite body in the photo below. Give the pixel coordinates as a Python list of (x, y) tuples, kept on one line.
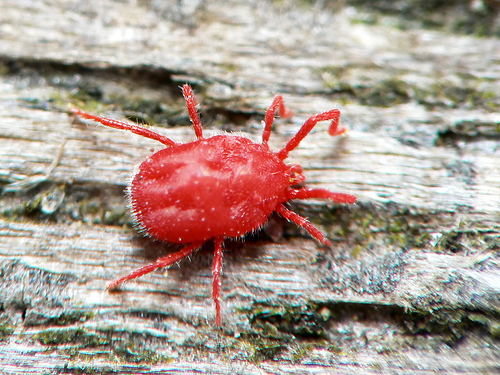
[(215, 188), (223, 186)]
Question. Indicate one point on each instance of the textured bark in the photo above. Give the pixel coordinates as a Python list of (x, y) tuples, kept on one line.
[(412, 281)]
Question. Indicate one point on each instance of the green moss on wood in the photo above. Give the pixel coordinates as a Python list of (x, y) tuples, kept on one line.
[(6, 330)]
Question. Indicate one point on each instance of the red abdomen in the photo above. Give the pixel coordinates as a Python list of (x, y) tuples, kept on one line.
[(215, 187)]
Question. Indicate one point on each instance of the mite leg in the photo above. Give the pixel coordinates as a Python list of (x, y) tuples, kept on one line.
[(334, 129), (191, 104), (216, 272), (269, 118), (305, 193), (302, 222), (333, 115), (136, 129), (160, 263)]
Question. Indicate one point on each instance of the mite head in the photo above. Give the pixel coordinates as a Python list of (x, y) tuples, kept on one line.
[(296, 175)]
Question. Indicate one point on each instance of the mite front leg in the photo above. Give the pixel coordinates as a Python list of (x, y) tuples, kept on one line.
[(333, 115), (305, 193), (302, 222), (269, 118)]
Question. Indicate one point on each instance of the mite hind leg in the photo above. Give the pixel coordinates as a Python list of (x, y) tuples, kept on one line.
[(136, 129), (160, 263), (191, 104), (216, 272)]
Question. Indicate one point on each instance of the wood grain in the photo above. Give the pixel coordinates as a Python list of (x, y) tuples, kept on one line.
[(412, 282)]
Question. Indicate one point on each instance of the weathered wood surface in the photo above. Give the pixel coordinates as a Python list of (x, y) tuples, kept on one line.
[(412, 283)]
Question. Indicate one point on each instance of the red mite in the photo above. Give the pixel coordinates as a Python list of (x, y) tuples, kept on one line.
[(218, 187)]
